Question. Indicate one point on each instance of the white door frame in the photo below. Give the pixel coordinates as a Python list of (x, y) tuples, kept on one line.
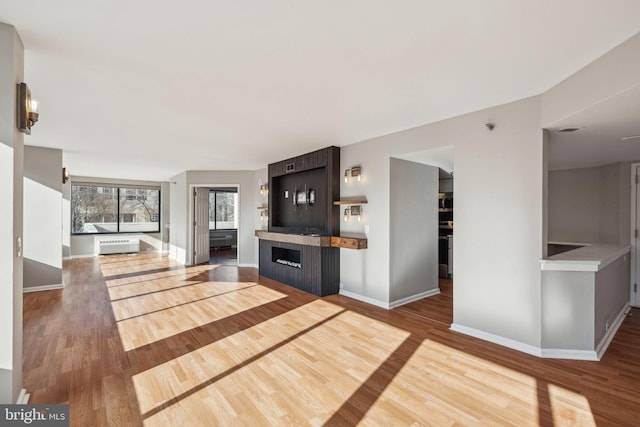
[(190, 235), (634, 299)]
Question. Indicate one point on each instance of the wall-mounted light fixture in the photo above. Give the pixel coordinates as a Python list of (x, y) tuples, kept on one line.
[(264, 215), (27, 109), (264, 188), (65, 175), (353, 211), (354, 172), (356, 211)]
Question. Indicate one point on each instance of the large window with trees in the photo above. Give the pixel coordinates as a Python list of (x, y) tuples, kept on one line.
[(223, 209), (110, 209)]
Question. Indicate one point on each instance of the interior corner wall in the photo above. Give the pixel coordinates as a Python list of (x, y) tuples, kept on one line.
[(165, 215), (590, 205), (498, 217), (261, 200), (42, 217), (574, 214), (66, 219), (11, 226), (413, 258), (178, 212)]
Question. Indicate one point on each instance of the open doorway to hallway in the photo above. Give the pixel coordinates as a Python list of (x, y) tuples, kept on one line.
[(422, 219), (216, 225)]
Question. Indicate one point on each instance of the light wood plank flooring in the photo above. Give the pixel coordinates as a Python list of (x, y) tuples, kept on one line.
[(139, 340)]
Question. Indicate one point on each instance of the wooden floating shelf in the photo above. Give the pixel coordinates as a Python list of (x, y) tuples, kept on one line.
[(351, 201), (263, 208), (349, 242)]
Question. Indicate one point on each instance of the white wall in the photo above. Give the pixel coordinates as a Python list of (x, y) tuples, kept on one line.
[(590, 204), (11, 223), (178, 211), (498, 216), (42, 218)]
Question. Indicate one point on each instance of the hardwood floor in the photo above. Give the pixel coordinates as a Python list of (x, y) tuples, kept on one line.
[(139, 340)]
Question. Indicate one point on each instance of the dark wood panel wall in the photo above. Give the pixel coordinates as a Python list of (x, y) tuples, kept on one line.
[(320, 265), (326, 163)]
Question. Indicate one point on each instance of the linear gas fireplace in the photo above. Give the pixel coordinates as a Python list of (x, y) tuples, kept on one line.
[(284, 256)]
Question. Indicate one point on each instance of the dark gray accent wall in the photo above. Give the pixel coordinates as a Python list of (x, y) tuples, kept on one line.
[(413, 257)]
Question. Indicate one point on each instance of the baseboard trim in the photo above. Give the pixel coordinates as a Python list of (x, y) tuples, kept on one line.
[(368, 300), (42, 288), (23, 397), (608, 337), (561, 353), (416, 297), (497, 339)]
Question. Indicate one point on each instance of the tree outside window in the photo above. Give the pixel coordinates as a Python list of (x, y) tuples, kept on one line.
[(223, 209), (107, 209)]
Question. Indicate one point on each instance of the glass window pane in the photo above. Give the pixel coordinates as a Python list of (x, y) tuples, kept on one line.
[(226, 210), (94, 209), (139, 210), (212, 210)]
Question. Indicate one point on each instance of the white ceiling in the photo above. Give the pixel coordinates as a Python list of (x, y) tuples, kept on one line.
[(148, 89), (603, 134)]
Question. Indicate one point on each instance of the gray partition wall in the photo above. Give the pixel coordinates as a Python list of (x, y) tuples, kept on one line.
[(413, 258)]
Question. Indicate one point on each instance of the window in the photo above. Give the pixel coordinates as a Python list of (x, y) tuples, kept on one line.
[(223, 209), (106, 209)]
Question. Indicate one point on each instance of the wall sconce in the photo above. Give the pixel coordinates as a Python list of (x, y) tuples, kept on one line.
[(65, 175), (355, 210), (264, 215), (264, 188), (354, 172), (27, 109)]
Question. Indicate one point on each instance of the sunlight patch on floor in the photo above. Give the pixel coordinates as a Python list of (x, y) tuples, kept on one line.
[(146, 329), (191, 273), (164, 299), (569, 408), (298, 367), (440, 385)]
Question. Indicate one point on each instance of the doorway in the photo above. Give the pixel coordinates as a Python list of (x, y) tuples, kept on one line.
[(434, 251), (215, 224)]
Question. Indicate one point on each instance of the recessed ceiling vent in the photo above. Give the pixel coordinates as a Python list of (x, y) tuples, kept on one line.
[(568, 130)]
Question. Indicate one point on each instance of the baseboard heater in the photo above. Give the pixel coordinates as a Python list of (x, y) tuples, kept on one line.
[(118, 245)]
